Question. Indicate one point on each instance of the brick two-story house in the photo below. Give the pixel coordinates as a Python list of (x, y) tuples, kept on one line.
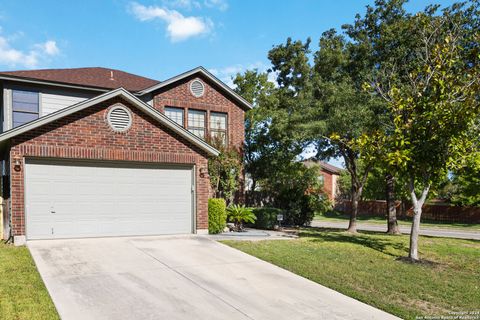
[(328, 175), (98, 152)]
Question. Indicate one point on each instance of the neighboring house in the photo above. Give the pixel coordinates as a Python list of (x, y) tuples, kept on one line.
[(328, 176), (98, 152)]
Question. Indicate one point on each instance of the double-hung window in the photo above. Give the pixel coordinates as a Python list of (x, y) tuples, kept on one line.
[(25, 107), (175, 114), (218, 127), (196, 123)]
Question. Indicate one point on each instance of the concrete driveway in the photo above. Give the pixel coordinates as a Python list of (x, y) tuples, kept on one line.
[(188, 277)]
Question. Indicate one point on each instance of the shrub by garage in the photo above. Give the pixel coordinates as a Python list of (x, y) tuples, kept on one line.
[(217, 215)]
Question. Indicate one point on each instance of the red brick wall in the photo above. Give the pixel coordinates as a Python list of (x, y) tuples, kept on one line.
[(179, 95), (86, 135), (328, 184)]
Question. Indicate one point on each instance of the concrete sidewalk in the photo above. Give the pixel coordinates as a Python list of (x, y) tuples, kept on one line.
[(254, 235), (425, 231), (184, 277)]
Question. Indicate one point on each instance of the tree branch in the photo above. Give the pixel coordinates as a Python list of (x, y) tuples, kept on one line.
[(424, 195)]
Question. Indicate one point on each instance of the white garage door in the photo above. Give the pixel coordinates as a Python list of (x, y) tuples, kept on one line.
[(90, 199)]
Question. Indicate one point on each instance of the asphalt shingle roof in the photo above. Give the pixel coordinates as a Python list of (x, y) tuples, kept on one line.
[(90, 77), (324, 165)]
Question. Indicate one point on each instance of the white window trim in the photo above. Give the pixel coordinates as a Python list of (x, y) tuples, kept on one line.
[(8, 96), (225, 131), (176, 109), (198, 128)]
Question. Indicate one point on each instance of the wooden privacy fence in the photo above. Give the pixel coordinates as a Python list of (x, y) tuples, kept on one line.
[(432, 212)]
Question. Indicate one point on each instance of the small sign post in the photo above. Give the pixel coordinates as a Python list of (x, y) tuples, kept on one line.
[(280, 219)]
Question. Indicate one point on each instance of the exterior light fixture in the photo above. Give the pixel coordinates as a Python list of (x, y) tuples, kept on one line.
[(17, 166)]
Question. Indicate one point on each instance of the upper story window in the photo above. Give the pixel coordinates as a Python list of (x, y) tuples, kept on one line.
[(218, 127), (196, 123), (175, 114), (25, 107)]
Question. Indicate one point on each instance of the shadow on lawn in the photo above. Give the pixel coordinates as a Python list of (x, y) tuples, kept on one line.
[(382, 245)]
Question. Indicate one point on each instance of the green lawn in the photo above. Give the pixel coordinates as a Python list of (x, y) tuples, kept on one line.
[(22, 292), (369, 267), (339, 217)]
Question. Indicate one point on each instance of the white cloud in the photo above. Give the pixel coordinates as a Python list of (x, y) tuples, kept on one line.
[(184, 4), (12, 56), (227, 74), (221, 5), (179, 27), (50, 48)]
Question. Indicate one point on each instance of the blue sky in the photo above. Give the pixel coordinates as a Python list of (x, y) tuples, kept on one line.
[(162, 38)]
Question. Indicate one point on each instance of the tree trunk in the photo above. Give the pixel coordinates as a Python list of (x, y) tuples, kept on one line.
[(352, 225), (417, 213), (392, 224), (358, 182), (403, 208), (253, 201)]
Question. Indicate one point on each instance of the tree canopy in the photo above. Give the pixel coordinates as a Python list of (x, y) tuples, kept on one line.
[(393, 92)]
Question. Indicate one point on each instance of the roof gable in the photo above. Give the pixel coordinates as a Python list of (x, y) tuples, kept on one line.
[(121, 92), (203, 72), (324, 166)]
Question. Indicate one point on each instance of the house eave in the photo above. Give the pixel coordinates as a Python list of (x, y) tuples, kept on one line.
[(52, 83)]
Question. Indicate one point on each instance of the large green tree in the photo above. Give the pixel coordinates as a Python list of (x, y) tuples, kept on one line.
[(433, 99), (274, 138), (466, 187), (261, 148), (342, 116), (380, 39)]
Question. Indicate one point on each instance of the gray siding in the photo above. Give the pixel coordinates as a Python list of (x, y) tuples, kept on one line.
[(50, 100), (54, 100), (7, 109)]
